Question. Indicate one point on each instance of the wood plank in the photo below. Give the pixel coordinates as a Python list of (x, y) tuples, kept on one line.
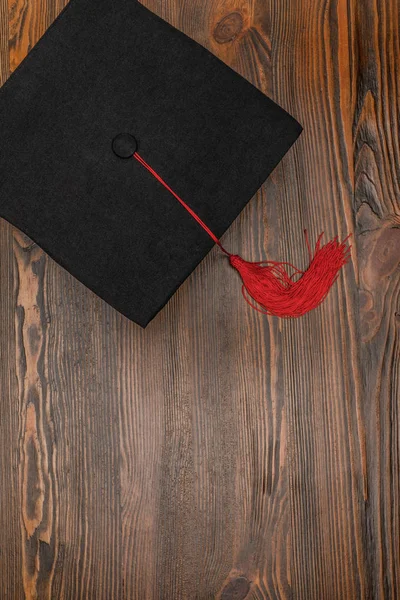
[(37, 477), (38, 490), (10, 546), (320, 367), (82, 372), (377, 209)]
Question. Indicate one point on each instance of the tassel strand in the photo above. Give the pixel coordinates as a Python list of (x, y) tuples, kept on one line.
[(277, 293)]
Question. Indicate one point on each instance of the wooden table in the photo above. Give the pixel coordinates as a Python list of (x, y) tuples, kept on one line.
[(221, 453)]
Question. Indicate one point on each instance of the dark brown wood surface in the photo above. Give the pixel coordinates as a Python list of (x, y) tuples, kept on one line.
[(220, 453)]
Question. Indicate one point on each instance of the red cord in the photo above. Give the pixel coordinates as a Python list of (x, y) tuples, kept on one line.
[(186, 206)]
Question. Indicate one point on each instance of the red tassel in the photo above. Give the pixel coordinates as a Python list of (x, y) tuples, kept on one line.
[(268, 283), (277, 293)]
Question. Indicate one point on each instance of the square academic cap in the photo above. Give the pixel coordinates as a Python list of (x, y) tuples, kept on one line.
[(127, 149)]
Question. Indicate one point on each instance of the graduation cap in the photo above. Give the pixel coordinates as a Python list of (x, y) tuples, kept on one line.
[(127, 150)]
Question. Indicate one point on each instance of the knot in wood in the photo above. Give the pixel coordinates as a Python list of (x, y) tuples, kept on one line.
[(228, 28), (237, 589)]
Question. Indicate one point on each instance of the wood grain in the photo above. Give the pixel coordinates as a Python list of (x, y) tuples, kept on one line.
[(220, 453), (37, 452)]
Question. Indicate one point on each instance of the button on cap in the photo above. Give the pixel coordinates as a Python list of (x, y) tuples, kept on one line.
[(124, 145)]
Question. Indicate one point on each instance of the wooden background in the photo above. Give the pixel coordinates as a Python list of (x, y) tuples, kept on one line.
[(220, 453)]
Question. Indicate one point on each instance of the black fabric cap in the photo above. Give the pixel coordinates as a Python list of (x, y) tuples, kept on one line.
[(104, 74)]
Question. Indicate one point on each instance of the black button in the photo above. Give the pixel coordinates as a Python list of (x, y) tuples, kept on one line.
[(124, 145)]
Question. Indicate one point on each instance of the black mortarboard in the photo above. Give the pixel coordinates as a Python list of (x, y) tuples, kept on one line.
[(108, 79)]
